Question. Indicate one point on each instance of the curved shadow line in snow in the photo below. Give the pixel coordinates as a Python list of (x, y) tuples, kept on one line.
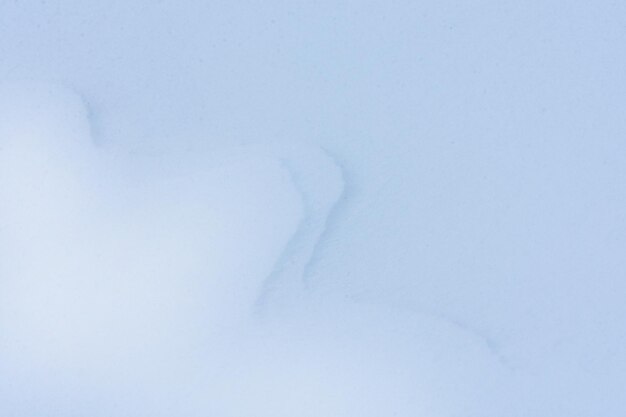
[(292, 268), (331, 221)]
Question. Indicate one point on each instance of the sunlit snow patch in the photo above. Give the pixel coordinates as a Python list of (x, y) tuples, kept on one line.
[(112, 260), (132, 284)]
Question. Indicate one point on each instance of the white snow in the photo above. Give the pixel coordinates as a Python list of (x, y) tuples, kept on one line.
[(312, 209)]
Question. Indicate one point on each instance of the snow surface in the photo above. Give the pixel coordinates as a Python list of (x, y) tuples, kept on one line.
[(312, 208)]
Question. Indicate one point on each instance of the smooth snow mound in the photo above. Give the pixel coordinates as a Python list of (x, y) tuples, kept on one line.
[(136, 284)]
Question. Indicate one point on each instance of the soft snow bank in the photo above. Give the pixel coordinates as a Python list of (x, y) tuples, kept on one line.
[(122, 266), (450, 175), (130, 283)]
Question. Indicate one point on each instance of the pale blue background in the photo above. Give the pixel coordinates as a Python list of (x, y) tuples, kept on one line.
[(483, 146)]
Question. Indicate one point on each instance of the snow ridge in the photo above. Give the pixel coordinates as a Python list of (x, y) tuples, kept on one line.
[(321, 183)]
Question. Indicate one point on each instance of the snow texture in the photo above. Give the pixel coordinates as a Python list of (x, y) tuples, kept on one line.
[(218, 208)]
